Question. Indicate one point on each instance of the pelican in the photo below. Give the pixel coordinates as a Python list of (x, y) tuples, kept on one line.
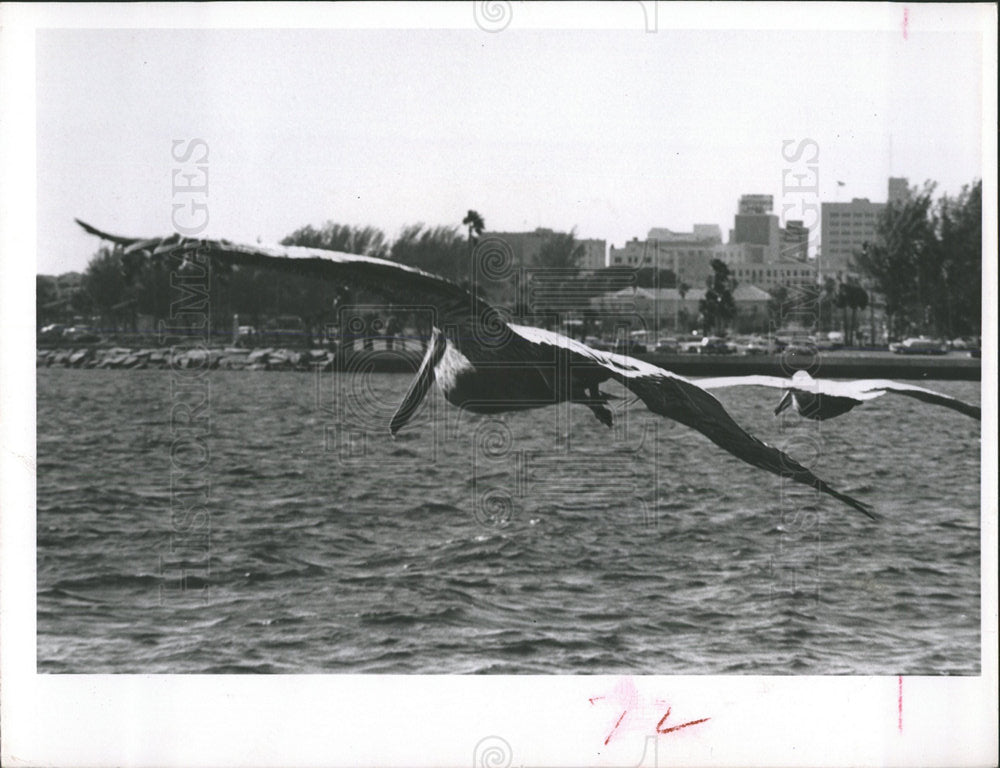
[(821, 399), (486, 365)]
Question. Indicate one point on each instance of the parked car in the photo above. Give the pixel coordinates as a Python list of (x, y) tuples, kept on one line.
[(800, 345), (919, 346), (715, 345), (81, 333), (831, 340), (963, 343), (739, 344), (668, 346), (53, 331), (757, 345), (823, 343), (629, 347), (690, 345)]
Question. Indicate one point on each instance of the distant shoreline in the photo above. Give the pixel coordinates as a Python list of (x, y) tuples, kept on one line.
[(849, 364)]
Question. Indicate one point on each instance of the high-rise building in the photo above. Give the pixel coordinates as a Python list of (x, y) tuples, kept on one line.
[(750, 204), (844, 229), (758, 229), (595, 254), (755, 225), (795, 241), (899, 189)]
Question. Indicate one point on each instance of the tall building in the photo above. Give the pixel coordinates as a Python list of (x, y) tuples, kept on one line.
[(844, 229), (795, 241), (595, 254), (755, 204), (760, 229), (899, 189), (755, 225)]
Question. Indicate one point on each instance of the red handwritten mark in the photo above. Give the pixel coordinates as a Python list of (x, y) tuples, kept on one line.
[(906, 22), (615, 727), (671, 729), (899, 700)]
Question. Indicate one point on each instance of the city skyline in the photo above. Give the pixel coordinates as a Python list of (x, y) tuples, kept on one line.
[(608, 132)]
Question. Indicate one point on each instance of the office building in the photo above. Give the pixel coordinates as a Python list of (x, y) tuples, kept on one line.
[(845, 228), (899, 189), (794, 241), (526, 246), (755, 204)]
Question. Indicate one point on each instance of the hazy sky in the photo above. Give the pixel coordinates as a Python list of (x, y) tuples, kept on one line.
[(609, 132)]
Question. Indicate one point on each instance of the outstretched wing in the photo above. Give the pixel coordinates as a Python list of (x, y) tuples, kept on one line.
[(860, 390), (926, 395), (677, 398), (390, 279)]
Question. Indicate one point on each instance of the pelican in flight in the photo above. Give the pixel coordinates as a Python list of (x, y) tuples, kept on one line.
[(820, 399), (485, 364)]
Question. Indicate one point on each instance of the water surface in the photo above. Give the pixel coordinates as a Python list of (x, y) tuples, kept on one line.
[(277, 527)]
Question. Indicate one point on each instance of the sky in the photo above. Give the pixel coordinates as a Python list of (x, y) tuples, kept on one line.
[(608, 132)]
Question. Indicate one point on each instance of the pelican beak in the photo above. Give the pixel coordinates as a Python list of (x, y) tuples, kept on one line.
[(785, 402)]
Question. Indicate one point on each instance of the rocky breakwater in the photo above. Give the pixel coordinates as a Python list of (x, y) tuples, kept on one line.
[(229, 358)]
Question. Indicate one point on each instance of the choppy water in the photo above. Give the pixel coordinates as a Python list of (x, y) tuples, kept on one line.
[(537, 543)]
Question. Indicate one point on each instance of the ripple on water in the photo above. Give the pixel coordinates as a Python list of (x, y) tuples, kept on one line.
[(304, 559)]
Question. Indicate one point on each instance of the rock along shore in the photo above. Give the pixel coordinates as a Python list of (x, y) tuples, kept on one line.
[(230, 358), (406, 359)]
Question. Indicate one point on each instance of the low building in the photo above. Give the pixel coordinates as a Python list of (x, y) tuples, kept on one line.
[(769, 276), (595, 255), (665, 308), (526, 246), (687, 254)]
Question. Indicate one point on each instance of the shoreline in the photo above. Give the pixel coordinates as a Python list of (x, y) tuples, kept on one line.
[(406, 357)]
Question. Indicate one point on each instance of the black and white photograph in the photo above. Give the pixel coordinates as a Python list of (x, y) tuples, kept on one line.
[(499, 383)]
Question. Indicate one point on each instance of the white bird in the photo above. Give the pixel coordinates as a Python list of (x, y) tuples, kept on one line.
[(487, 365), (821, 399)]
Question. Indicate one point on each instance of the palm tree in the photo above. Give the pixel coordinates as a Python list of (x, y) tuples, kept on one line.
[(476, 226), (850, 296), (682, 289), (827, 298)]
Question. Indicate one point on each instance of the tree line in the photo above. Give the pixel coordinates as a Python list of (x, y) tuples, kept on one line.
[(126, 290), (926, 261)]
